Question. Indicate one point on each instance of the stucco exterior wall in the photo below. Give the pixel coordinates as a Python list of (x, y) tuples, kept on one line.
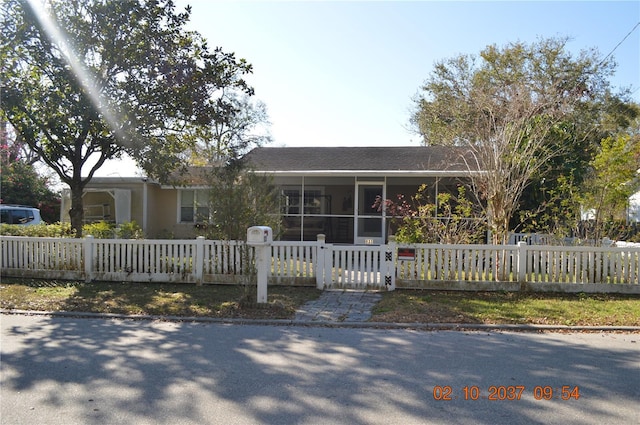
[(163, 216)]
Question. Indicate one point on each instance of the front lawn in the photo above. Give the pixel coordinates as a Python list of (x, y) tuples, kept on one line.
[(400, 306), (409, 306), (163, 299)]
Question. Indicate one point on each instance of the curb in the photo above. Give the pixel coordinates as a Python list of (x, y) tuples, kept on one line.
[(331, 324)]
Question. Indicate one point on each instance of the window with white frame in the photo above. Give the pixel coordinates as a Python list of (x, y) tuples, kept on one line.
[(294, 203), (194, 206)]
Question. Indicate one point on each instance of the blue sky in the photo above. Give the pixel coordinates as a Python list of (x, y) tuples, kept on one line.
[(337, 73), (344, 73)]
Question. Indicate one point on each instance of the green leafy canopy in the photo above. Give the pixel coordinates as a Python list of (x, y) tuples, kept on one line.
[(88, 80)]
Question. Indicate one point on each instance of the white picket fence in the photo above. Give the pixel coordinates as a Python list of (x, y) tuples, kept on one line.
[(522, 266), (468, 267), (188, 261)]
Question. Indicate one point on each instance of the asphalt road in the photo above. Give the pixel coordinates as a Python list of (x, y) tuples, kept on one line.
[(98, 371)]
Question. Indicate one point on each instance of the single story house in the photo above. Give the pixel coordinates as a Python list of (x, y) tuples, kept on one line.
[(327, 190)]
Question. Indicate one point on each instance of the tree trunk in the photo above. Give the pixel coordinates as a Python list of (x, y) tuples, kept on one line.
[(76, 213)]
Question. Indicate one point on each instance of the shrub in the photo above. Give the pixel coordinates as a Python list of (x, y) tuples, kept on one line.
[(99, 230), (105, 230), (452, 220), (129, 230), (55, 230)]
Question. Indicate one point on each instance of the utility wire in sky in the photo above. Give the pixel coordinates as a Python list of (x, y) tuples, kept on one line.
[(621, 41)]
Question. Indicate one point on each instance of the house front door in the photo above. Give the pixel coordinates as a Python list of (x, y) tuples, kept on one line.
[(369, 221)]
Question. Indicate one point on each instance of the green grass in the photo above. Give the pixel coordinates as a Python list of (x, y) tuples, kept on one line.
[(400, 306), (509, 308)]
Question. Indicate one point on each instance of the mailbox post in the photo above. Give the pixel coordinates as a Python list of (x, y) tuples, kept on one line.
[(260, 237)]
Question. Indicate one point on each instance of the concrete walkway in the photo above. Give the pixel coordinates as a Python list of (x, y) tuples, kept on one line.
[(339, 306)]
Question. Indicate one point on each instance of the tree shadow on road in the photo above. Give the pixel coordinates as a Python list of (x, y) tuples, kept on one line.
[(123, 371)]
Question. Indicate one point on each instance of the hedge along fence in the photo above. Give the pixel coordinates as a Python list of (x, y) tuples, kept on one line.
[(468, 267)]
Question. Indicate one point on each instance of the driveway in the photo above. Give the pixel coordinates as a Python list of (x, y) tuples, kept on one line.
[(98, 371)]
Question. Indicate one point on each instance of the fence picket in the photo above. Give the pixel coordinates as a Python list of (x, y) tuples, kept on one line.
[(357, 266)]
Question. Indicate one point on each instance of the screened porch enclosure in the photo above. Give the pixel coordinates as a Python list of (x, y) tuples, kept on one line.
[(342, 208)]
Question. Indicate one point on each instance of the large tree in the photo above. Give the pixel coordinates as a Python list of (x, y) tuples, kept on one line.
[(240, 198), (613, 178), (20, 183), (553, 202), (89, 80), (513, 107), (228, 140)]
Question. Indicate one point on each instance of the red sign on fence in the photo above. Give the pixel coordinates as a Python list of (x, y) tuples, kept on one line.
[(406, 254)]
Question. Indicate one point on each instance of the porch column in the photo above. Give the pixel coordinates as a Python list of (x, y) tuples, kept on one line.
[(144, 206), (123, 205)]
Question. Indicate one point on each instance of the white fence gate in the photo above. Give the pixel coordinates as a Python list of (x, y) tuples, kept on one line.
[(356, 267)]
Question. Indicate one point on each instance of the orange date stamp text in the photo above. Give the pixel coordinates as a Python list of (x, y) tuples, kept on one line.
[(505, 392)]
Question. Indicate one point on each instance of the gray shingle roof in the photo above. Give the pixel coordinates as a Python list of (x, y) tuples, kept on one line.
[(401, 158)]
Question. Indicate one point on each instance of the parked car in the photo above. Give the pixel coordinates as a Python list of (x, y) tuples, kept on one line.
[(19, 214)]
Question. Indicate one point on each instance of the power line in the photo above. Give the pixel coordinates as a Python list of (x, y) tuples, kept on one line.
[(621, 41)]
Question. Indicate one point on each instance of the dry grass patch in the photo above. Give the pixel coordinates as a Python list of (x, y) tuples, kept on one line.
[(164, 299)]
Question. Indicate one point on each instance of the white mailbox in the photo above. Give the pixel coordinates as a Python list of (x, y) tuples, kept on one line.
[(259, 235)]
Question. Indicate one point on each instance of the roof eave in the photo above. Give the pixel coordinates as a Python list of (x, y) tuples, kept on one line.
[(393, 173)]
